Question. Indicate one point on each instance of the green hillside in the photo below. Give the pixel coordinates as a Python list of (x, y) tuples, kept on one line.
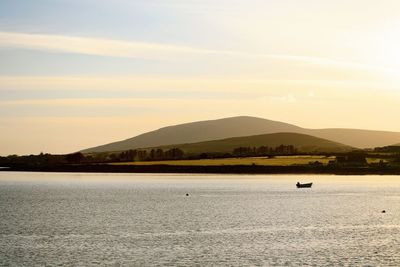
[(304, 143)]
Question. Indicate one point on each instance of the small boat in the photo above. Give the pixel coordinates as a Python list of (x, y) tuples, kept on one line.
[(307, 185)]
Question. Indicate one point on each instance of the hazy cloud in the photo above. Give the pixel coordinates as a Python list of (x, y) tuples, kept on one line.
[(158, 51)]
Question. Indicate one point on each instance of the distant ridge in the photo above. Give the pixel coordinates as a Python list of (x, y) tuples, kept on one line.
[(245, 126), (303, 142), (357, 138)]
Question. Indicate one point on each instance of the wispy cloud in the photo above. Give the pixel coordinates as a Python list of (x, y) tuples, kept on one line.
[(168, 86), (158, 51), (96, 46)]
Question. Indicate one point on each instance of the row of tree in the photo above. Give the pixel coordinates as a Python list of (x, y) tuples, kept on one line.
[(148, 155), (388, 149), (264, 151), (40, 160), (79, 158), (140, 155)]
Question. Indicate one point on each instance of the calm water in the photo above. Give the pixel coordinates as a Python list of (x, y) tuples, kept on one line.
[(136, 220)]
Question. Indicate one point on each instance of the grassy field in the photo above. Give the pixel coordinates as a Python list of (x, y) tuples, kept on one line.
[(276, 161)]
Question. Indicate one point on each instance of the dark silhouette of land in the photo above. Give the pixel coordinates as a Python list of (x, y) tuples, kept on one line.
[(223, 169), (285, 160)]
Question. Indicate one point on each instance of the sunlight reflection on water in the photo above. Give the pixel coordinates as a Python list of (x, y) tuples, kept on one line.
[(135, 219)]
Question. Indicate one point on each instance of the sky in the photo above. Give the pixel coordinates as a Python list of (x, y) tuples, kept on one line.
[(80, 73)]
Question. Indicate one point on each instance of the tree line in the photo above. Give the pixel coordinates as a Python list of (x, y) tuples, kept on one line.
[(156, 154), (79, 158), (147, 155), (264, 151), (388, 149)]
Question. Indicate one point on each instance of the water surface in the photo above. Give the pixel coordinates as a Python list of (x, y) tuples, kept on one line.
[(145, 219)]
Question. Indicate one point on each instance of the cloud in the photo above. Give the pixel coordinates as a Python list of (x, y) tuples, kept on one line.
[(285, 99), (96, 46), (245, 84), (162, 51)]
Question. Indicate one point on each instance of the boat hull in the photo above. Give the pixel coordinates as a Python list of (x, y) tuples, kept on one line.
[(308, 185)]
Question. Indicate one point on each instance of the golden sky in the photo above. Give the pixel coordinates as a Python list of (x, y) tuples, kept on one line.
[(75, 74)]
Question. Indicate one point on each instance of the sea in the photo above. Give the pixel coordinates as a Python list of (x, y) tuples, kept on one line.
[(80, 219)]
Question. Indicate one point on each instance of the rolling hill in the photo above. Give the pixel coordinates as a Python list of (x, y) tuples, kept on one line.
[(199, 131), (244, 126), (357, 138), (305, 143)]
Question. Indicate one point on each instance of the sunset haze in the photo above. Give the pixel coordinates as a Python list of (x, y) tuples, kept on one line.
[(78, 74)]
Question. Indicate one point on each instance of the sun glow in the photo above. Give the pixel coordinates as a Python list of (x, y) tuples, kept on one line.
[(388, 43)]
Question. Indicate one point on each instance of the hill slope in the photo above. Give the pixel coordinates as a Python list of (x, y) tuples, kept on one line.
[(303, 142), (199, 131), (357, 138), (245, 126)]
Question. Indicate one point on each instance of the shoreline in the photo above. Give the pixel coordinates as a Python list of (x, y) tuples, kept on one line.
[(218, 169)]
